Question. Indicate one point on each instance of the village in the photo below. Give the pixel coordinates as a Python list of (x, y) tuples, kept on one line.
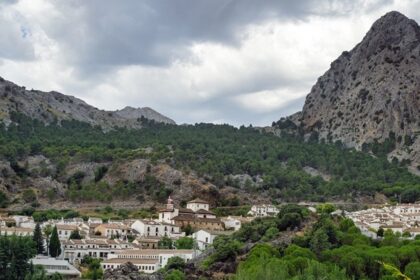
[(150, 243), (138, 241), (402, 218)]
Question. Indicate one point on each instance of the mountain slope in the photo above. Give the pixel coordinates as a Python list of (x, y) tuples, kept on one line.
[(371, 93), (50, 106)]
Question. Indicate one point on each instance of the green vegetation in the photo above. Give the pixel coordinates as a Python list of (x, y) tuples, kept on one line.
[(54, 244), (212, 150), (37, 238), (332, 248), (174, 269), (15, 252), (75, 234), (184, 243), (94, 270), (166, 243)]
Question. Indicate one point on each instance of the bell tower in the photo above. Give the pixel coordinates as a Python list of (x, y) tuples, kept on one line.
[(170, 204)]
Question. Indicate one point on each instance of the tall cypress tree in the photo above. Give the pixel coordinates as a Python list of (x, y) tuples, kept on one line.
[(55, 246), (38, 239)]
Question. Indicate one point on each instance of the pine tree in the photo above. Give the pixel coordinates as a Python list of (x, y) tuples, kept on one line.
[(55, 246), (38, 239)]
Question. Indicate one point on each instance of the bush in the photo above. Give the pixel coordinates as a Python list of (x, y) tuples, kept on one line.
[(29, 195)]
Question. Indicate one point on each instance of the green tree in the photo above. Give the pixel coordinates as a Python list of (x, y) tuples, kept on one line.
[(319, 242), (55, 245), (15, 252), (95, 271), (188, 229), (175, 263), (325, 208), (380, 232), (175, 275), (4, 201), (184, 243), (47, 232), (412, 270), (165, 243), (38, 239), (75, 234)]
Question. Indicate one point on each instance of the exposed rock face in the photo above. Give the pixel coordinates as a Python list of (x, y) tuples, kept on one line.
[(146, 112), (371, 92), (51, 106)]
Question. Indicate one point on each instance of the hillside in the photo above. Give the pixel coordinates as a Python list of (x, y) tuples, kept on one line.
[(53, 106), (371, 94), (73, 164)]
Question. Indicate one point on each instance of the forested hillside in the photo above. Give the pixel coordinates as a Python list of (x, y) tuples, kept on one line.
[(300, 245), (282, 168)]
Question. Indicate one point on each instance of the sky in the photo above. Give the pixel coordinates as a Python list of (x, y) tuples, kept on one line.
[(220, 61)]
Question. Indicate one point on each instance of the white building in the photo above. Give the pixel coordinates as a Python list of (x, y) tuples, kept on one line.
[(144, 265), (24, 221), (204, 238), (399, 218), (113, 230), (153, 228), (231, 223), (263, 210), (74, 249), (52, 266), (94, 220), (198, 204), (65, 230), (18, 231), (153, 259)]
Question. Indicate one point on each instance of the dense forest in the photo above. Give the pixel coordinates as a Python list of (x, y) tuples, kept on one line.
[(214, 152)]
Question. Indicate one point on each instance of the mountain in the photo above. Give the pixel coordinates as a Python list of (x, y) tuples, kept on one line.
[(50, 106), (371, 94), (131, 113)]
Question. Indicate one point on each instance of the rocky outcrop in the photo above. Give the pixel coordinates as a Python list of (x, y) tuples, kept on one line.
[(131, 113), (371, 92), (54, 106)]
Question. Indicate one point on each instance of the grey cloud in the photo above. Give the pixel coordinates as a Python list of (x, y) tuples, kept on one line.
[(103, 33), (97, 38), (15, 40)]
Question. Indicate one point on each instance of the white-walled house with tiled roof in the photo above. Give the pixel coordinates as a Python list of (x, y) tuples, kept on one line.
[(146, 228), (153, 259), (75, 250), (197, 204)]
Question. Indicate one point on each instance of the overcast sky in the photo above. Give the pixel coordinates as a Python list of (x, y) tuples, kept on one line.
[(220, 61)]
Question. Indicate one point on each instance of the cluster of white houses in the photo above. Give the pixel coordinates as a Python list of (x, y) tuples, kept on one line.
[(131, 240), (399, 218), (263, 210)]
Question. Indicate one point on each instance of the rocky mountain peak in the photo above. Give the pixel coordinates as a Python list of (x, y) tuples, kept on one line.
[(372, 93), (129, 112)]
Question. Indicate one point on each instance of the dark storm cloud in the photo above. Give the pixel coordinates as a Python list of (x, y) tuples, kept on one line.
[(104, 33)]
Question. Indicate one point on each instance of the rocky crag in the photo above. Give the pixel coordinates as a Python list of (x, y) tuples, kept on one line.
[(371, 93)]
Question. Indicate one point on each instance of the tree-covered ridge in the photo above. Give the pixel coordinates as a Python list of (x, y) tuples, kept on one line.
[(215, 151)]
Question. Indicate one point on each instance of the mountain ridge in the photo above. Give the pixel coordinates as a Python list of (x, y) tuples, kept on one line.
[(54, 106)]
